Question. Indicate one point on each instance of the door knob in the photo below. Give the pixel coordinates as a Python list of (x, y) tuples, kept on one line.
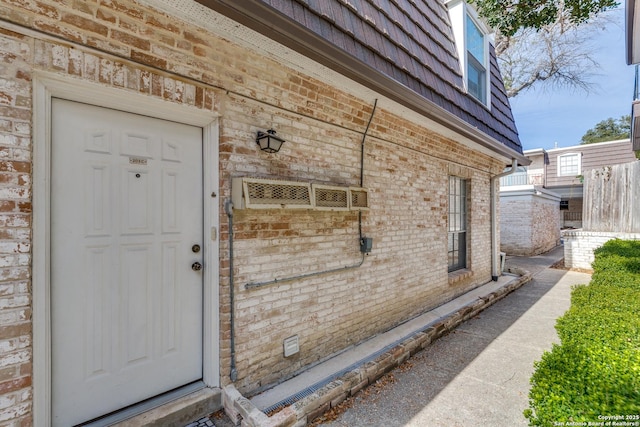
[(196, 266)]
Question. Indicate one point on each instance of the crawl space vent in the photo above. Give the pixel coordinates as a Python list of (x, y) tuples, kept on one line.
[(260, 193), (359, 198), (271, 194), (331, 198)]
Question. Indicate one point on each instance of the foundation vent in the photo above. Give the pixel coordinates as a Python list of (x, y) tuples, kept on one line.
[(259, 193), (256, 193), (359, 198), (330, 198)]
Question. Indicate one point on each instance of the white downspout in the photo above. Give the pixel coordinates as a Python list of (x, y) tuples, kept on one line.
[(495, 244)]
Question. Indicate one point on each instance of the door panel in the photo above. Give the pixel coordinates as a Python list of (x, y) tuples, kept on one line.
[(126, 307)]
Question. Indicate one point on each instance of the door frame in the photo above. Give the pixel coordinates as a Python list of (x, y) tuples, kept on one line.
[(47, 86)]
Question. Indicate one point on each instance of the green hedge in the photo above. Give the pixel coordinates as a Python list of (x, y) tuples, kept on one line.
[(595, 371)]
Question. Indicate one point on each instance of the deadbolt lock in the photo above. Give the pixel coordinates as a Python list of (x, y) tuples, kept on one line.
[(195, 248)]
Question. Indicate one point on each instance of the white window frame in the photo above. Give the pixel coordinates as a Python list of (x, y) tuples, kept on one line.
[(561, 157), (482, 63), (458, 12)]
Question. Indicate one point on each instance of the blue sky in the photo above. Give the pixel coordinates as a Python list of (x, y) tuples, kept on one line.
[(563, 116)]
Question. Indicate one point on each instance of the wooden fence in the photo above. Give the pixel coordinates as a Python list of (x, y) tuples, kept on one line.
[(612, 198)]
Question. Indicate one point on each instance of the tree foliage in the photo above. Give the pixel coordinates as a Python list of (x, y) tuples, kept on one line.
[(558, 55), (508, 16), (608, 130), (546, 43)]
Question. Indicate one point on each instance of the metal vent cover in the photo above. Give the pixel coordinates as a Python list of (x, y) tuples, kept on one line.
[(272, 194), (359, 198), (261, 193), (327, 197)]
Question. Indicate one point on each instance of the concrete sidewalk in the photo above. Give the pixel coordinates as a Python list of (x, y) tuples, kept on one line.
[(478, 375)]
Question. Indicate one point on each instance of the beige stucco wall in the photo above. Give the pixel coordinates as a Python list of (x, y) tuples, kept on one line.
[(126, 45)]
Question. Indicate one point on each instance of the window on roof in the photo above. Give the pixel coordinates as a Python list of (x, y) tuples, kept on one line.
[(569, 164), (472, 43), (476, 68)]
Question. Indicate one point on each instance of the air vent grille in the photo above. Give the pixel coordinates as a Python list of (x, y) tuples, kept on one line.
[(331, 198), (359, 198), (262, 193), (259, 193)]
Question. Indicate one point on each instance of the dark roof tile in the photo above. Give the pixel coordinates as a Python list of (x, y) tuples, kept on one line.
[(298, 12), (410, 41)]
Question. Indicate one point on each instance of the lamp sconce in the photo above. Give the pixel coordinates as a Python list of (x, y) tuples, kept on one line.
[(268, 141)]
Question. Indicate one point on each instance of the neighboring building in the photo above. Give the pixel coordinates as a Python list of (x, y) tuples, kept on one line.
[(612, 194), (149, 246), (529, 220), (561, 171), (613, 199), (632, 12)]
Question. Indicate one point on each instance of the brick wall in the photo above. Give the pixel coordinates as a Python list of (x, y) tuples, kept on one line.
[(15, 229), (515, 225), (529, 221), (579, 245), (546, 224), (126, 45)]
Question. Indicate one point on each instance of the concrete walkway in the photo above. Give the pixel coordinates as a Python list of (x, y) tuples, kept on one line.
[(478, 375)]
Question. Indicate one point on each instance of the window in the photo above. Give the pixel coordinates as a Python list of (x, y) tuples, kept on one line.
[(564, 205), (569, 164), (457, 252), (476, 68), (472, 45)]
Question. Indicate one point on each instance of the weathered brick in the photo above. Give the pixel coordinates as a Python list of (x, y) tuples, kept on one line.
[(64, 32), (406, 167), (131, 40), (84, 23), (16, 412), (106, 16), (162, 23), (194, 38), (16, 330), (529, 223), (125, 7), (147, 59), (14, 358)]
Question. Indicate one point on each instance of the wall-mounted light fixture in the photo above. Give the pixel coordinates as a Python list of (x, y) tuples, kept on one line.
[(268, 141)]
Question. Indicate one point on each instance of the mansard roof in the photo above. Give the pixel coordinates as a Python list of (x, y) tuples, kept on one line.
[(393, 45)]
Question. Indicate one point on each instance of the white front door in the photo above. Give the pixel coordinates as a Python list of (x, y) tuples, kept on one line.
[(126, 233)]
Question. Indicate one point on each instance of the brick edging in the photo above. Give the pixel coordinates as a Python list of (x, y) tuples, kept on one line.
[(310, 407)]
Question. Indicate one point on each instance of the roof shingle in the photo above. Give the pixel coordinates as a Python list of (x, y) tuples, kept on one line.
[(410, 41)]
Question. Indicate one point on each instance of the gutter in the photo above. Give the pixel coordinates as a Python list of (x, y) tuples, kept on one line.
[(635, 113), (631, 21), (495, 244), (266, 20)]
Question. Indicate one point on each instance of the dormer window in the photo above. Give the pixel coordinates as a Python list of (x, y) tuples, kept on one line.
[(476, 61), (472, 44)]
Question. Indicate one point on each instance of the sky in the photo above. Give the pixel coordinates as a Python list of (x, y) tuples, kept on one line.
[(544, 118)]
